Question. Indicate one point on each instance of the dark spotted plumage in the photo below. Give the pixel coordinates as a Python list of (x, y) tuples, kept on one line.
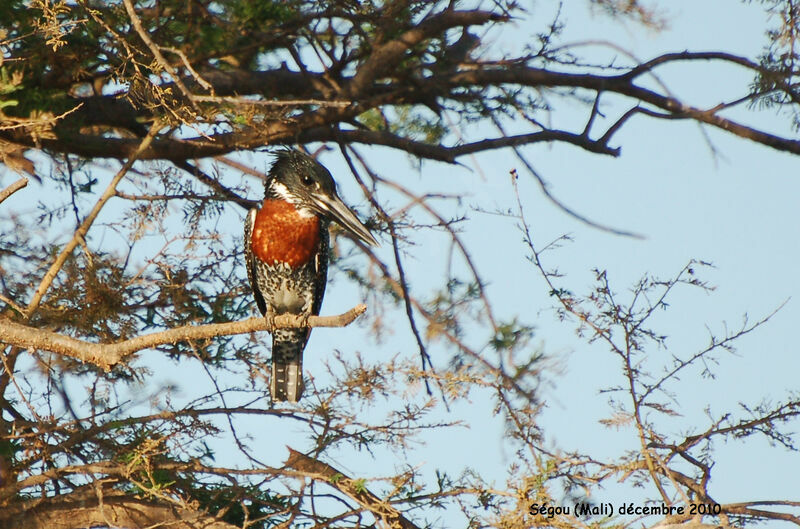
[(278, 288), (286, 252)]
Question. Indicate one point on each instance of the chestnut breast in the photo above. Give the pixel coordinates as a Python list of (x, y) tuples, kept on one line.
[(282, 235)]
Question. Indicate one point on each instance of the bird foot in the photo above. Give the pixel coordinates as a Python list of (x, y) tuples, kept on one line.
[(270, 317)]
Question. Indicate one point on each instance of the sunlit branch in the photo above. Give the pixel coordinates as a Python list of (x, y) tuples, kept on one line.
[(106, 356), (322, 471), (13, 188)]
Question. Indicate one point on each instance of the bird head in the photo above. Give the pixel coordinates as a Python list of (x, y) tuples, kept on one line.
[(302, 181)]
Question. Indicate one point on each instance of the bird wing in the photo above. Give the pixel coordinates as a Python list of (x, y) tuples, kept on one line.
[(321, 267), (250, 259)]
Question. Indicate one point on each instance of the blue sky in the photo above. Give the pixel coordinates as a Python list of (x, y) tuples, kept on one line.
[(735, 206)]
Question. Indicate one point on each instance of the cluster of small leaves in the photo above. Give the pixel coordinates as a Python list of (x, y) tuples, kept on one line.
[(9, 83), (249, 503), (511, 336), (637, 10), (407, 122), (450, 306), (776, 85), (94, 299)]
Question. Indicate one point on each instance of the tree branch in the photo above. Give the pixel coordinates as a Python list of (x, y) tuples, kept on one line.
[(447, 154), (80, 233), (13, 188), (106, 356), (352, 488), (282, 133), (110, 509), (154, 49), (364, 94), (385, 57), (619, 84)]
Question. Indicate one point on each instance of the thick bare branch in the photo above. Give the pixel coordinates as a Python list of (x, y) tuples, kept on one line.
[(386, 56), (281, 133), (109, 510), (315, 125), (106, 356)]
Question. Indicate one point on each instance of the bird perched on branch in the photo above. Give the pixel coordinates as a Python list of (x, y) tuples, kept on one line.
[(286, 248)]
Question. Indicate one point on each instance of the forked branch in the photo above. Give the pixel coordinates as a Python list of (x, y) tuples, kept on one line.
[(355, 489)]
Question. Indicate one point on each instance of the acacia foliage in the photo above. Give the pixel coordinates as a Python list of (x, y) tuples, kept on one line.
[(176, 89)]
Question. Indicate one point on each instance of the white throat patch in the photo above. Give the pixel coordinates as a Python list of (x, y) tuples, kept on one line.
[(281, 191)]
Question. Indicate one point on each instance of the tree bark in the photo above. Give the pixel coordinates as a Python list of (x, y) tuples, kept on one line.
[(124, 512)]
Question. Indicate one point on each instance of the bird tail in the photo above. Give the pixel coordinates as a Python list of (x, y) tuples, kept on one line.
[(286, 382)]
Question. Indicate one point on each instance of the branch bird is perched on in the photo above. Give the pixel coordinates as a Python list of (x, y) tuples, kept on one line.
[(286, 248)]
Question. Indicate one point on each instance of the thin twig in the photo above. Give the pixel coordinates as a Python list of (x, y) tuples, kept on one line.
[(80, 233), (162, 61), (13, 188), (319, 470), (271, 103), (402, 281)]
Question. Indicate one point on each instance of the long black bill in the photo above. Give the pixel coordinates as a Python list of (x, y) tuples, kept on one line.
[(344, 216)]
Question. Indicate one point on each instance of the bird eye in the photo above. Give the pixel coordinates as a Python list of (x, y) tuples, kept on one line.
[(307, 180)]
